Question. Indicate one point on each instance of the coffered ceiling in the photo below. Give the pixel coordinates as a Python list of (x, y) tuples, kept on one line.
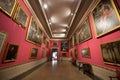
[(60, 18)]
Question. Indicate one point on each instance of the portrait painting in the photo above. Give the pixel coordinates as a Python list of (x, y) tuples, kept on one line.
[(75, 39), (86, 52), (64, 45), (21, 17), (47, 43), (106, 17), (84, 31), (64, 54), (11, 52), (33, 53), (3, 37), (34, 33), (111, 52), (55, 44), (8, 6)]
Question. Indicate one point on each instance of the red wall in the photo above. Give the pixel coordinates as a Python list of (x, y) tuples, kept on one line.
[(94, 45), (17, 35)]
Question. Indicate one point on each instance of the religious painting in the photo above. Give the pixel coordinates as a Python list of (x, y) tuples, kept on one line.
[(64, 54), (33, 53), (55, 44), (86, 52), (111, 52), (106, 17), (3, 37), (64, 45), (34, 34), (84, 32), (8, 6), (21, 17), (11, 52)]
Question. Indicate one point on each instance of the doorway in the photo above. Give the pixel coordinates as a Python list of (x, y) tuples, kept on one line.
[(54, 54)]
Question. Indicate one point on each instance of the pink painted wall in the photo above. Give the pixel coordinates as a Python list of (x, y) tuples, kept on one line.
[(17, 35), (94, 45)]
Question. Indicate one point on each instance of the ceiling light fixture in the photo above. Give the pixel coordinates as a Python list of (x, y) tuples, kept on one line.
[(45, 6)]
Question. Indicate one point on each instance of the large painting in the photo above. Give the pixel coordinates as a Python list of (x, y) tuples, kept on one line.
[(106, 17), (84, 32), (64, 45), (11, 52), (34, 34), (21, 17), (33, 53), (86, 52), (111, 52), (8, 6), (2, 40)]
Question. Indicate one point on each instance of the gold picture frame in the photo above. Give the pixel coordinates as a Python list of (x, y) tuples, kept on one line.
[(105, 17), (33, 52), (84, 31), (21, 17), (3, 37), (111, 52), (11, 52), (86, 53), (8, 6), (54, 44), (34, 34)]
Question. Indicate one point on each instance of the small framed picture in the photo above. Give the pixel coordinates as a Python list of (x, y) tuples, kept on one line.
[(21, 17), (2, 40), (8, 6), (11, 52), (64, 54), (33, 53), (86, 52), (55, 44)]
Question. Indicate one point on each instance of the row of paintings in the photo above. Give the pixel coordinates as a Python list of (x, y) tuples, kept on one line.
[(13, 9), (106, 19), (64, 45), (12, 50), (110, 52)]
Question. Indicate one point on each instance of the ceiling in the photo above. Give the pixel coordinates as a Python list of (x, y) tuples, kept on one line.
[(60, 18)]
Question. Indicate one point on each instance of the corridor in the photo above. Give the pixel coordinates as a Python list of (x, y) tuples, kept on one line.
[(56, 71)]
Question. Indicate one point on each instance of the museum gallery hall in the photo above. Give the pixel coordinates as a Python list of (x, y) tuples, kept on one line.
[(59, 39)]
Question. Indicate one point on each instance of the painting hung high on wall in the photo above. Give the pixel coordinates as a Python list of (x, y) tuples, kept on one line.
[(33, 53), (106, 17), (21, 17), (84, 32), (86, 52), (71, 42), (34, 33), (111, 52), (8, 6), (11, 52), (64, 45), (2, 40), (55, 44)]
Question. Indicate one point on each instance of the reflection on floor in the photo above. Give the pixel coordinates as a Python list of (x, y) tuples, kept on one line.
[(56, 71)]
